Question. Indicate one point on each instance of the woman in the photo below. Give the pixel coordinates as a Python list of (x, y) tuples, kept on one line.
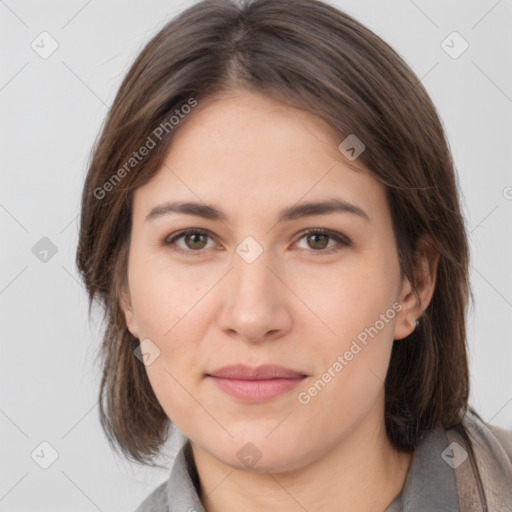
[(271, 222)]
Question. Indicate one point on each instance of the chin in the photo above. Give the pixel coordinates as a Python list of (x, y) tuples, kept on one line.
[(273, 455)]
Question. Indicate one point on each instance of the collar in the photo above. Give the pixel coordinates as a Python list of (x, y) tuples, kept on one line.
[(183, 483)]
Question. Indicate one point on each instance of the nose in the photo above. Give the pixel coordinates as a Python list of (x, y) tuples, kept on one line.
[(256, 301)]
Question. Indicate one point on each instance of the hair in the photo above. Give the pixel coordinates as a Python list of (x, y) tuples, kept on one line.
[(308, 54)]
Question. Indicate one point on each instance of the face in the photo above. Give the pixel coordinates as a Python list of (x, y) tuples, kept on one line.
[(247, 284)]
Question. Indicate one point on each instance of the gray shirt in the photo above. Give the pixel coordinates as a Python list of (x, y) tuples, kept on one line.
[(440, 477)]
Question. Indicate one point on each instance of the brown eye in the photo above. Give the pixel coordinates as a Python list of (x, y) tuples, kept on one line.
[(194, 242), (318, 240)]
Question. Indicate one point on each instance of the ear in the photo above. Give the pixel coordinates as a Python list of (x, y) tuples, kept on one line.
[(125, 303), (413, 306)]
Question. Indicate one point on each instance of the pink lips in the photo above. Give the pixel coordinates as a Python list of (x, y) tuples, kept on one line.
[(256, 384)]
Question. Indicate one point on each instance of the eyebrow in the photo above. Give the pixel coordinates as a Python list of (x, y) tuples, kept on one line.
[(209, 212)]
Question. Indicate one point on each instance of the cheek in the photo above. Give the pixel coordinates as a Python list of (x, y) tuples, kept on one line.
[(350, 301), (351, 370), (175, 393), (168, 317), (164, 294), (169, 311), (360, 310)]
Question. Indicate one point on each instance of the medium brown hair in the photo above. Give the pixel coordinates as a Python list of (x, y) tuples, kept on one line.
[(311, 55)]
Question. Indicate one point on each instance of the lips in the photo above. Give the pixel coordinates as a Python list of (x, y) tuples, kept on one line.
[(259, 384), (264, 372)]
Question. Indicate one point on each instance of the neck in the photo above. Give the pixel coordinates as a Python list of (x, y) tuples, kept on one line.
[(362, 473)]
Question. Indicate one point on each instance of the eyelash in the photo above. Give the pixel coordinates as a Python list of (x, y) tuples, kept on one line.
[(342, 241)]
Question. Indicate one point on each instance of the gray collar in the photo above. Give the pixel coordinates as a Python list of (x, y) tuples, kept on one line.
[(430, 484), (182, 495)]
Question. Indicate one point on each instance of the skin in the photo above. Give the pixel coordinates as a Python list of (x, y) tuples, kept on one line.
[(292, 306)]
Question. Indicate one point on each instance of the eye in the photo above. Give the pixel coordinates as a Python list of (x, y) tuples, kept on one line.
[(318, 239), (195, 241)]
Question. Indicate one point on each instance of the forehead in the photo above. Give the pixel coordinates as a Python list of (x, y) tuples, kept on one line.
[(248, 125), (246, 150)]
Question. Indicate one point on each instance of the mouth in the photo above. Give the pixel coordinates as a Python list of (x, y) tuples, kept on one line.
[(259, 384)]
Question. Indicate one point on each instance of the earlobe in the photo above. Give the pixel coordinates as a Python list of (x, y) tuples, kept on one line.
[(405, 319), (415, 302)]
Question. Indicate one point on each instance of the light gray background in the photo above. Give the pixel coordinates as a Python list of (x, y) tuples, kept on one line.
[(51, 111)]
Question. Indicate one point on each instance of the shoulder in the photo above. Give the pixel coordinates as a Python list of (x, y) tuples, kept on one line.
[(488, 477), (157, 500), (495, 440), (504, 437)]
